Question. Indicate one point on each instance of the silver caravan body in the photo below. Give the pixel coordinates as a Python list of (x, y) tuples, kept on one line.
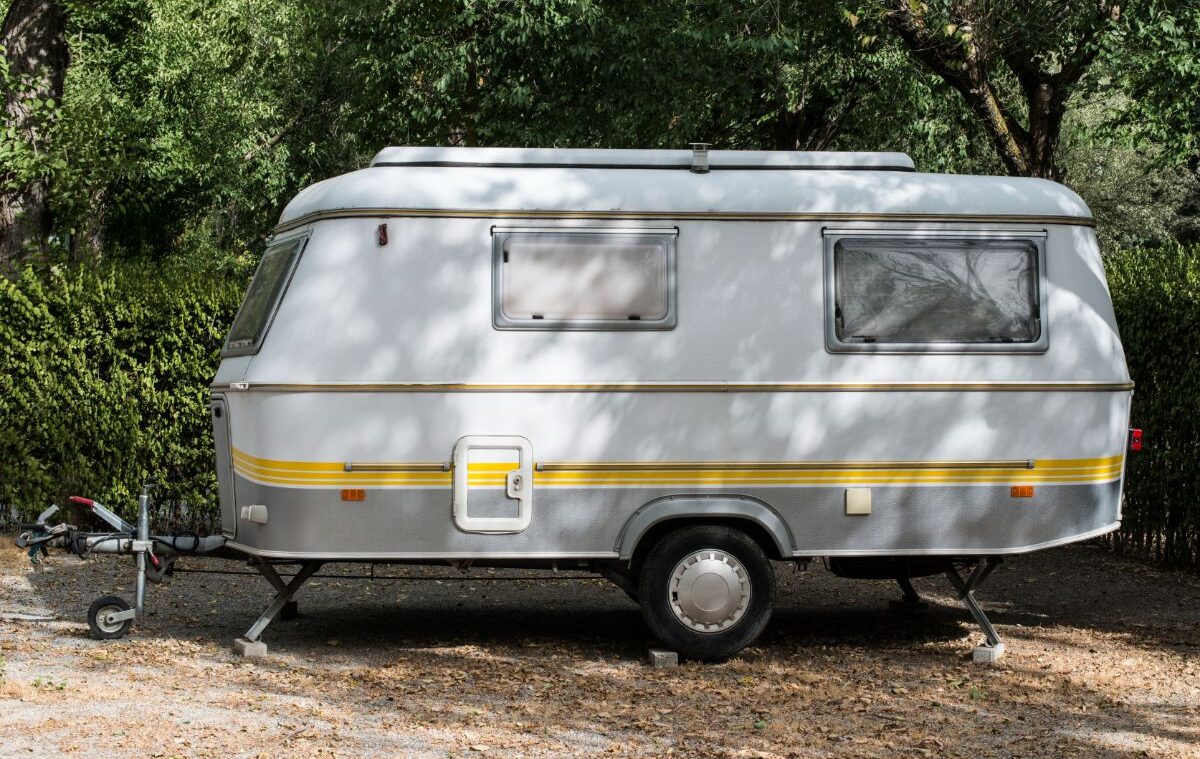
[(848, 358)]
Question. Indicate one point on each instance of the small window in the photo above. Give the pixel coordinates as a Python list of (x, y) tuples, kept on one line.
[(912, 293), (584, 279), (254, 317)]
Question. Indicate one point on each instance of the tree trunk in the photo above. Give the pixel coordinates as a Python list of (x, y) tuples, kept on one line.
[(965, 62), (35, 48), (816, 122)]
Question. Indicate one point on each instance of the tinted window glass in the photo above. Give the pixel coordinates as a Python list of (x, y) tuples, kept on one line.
[(936, 291), (255, 313)]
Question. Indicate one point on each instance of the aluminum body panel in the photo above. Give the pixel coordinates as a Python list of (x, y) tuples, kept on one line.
[(416, 523), (683, 427), (750, 309), (749, 339)]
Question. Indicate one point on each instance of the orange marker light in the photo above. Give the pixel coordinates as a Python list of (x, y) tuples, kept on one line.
[(354, 494), (1021, 491)]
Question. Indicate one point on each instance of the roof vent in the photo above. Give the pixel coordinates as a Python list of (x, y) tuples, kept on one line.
[(700, 157)]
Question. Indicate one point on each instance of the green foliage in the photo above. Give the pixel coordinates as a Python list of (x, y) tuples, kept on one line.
[(1136, 196), (23, 154), (180, 113), (188, 117), (103, 382), (1156, 293), (1156, 64)]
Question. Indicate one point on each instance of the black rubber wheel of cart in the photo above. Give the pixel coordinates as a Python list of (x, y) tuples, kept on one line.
[(105, 605), (707, 591)]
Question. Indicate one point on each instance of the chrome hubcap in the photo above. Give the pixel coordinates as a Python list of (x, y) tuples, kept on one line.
[(709, 591)]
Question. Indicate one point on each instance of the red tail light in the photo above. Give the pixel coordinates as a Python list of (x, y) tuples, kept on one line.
[(1135, 439)]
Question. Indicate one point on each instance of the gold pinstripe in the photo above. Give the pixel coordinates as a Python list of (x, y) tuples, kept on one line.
[(703, 474), (447, 213)]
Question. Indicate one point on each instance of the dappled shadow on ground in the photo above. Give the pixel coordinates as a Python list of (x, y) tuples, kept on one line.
[(1102, 662)]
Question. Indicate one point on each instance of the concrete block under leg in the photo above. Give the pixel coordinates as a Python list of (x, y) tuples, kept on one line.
[(661, 658), (251, 649), (987, 654)]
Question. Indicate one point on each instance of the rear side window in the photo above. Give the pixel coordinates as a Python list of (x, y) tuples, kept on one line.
[(584, 279), (922, 294), (254, 317)]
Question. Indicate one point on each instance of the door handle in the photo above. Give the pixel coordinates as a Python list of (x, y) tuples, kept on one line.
[(514, 483)]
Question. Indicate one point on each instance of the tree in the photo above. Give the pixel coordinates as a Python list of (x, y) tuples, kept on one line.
[(628, 73), (1157, 66), (1014, 62), (34, 65), (187, 124)]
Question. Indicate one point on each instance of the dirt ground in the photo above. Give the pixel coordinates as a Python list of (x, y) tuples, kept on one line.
[(1102, 662)]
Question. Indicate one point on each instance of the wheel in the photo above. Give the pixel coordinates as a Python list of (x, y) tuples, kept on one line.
[(707, 591), (103, 606)]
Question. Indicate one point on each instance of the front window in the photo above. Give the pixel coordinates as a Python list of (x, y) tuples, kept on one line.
[(254, 317)]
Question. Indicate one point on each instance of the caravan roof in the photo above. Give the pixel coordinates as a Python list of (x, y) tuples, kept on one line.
[(499, 182)]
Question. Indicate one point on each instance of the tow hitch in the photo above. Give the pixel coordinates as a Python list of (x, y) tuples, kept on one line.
[(111, 616)]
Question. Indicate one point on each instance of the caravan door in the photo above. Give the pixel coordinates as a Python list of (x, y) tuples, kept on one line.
[(220, 422), (493, 483)]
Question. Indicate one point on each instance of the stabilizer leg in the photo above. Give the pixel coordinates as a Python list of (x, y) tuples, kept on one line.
[(291, 609), (911, 602), (249, 644), (993, 649), (910, 593)]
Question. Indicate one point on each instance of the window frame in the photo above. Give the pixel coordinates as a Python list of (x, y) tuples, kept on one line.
[(502, 321), (300, 242), (834, 344)]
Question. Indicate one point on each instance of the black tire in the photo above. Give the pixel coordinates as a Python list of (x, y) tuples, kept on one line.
[(107, 605), (659, 599)]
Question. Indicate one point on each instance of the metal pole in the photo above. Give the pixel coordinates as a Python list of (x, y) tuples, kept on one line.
[(143, 534)]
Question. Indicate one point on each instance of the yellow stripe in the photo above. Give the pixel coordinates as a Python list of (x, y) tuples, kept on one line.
[(586, 474), (443, 213), (422, 467)]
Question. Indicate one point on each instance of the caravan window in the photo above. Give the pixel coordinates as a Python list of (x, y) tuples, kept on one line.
[(914, 293), (253, 318), (584, 279)]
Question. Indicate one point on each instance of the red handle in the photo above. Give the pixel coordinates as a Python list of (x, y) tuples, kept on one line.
[(81, 500)]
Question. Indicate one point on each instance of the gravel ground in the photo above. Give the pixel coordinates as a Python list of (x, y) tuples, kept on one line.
[(1102, 662)]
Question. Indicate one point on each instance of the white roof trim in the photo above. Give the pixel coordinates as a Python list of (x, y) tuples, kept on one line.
[(639, 159)]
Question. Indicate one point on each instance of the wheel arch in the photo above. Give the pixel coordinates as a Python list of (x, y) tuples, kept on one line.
[(656, 517)]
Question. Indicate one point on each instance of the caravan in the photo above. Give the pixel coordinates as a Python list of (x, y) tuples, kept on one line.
[(672, 367)]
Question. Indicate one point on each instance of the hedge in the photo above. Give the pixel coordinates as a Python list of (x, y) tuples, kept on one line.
[(1156, 293), (104, 376), (104, 379)]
